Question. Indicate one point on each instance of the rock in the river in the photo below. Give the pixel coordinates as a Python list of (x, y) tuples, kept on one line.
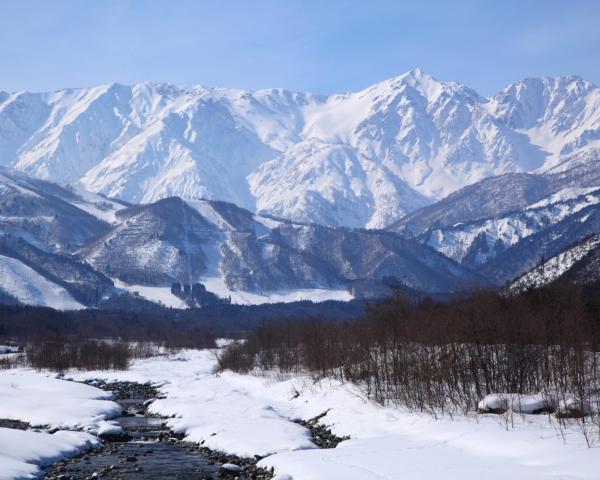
[(230, 469)]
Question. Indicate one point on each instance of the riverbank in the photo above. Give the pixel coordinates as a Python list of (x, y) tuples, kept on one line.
[(250, 416)]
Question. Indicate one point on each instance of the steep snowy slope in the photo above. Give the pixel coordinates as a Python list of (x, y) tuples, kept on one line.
[(475, 243), (491, 197), (83, 283), (51, 217), (29, 287), (359, 159), (526, 254), (497, 196), (578, 263), (559, 115)]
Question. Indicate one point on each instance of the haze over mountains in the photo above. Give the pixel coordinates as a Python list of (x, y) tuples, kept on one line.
[(362, 159)]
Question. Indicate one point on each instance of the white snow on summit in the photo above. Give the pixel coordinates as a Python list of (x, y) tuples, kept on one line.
[(358, 159)]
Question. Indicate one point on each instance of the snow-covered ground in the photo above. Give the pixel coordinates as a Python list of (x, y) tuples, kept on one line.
[(251, 415), (31, 288), (161, 295), (53, 403), (217, 286)]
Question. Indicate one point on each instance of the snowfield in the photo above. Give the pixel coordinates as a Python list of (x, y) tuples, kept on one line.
[(252, 415), (217, 286), (31, 288)]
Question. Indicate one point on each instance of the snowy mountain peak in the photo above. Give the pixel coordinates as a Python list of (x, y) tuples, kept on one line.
[(359, 159)]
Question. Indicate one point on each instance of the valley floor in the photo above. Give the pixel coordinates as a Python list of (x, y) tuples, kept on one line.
[(253, 415)]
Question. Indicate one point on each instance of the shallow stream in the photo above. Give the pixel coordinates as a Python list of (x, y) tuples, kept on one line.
[(149, 452)]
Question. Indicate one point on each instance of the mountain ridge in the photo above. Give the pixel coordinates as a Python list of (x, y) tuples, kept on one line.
[(195, 252), (359, 159)]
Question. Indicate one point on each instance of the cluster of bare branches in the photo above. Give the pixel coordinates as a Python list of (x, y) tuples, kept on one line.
[(445, 357), (59, 354)]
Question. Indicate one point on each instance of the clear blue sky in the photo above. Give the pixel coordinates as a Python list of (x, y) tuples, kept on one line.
[(322, 46)]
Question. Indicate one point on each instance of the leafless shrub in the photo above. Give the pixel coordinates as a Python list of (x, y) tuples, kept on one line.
[(58, 354), (443, 358)]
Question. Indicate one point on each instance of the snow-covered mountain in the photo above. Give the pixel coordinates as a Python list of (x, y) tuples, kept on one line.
[(476, 243), (504, 226), (359, 159), (231, 250), (561, 116), (29, 287), (579, 264), (69, 248)]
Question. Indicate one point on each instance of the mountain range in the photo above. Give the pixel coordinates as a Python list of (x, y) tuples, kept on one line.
[(195, 196), (68, 248), (361, 159)]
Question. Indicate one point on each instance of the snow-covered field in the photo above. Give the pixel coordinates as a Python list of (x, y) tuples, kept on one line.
[(251, 415), (217, 286), (31, 288)]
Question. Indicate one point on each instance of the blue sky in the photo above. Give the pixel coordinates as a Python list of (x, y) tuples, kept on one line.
[(322, 46)]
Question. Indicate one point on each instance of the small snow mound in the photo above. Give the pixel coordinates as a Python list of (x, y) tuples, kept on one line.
[(109, 428), (493, 403), (524, 404)]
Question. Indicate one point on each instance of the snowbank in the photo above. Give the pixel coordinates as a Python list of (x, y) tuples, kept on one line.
[(249, 415), (21, 452), (523, 404), (45, 401), (41, 400)]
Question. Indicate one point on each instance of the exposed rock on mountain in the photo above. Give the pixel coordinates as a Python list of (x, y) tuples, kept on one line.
[(359, 159)]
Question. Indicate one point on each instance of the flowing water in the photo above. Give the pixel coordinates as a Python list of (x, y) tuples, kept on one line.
[(150, 452)]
